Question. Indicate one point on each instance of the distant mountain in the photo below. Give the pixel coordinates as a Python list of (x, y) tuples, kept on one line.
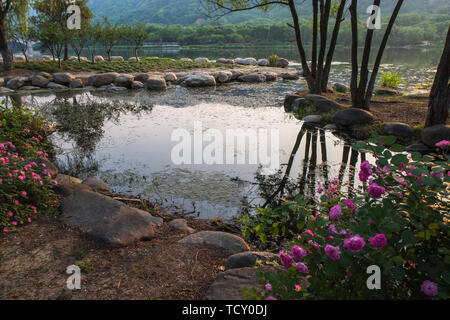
[(188, 12)]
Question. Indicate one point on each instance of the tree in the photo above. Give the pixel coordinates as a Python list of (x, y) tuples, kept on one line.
[(20, 33), (94, 33), (110, 35), (440, 92), (362, 92), (136, 34), (317, 75), (10, 11), (79, 40)]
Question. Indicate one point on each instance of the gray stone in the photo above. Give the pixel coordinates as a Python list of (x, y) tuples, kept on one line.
[(117, 58), (186, 60), (39, 81), (55, 86), (340, 87), (15, 83), (115, 89), (386, 92), (225, 61), (107, 219), (156, 84), (133, 59), (124, 80), (223, 76), (289, 76), (330, 127), (263, 62), (181, 224), (45, 75), (435, 134), (271, 76), (200, 80), (352, 116), (252, 78), (4, 90), (246, 61), (300, 103), (289, 100), (171, 77), (323, 104), (76, 84), (136, 85), (62, 178), (249, 259), (29, 88), (66, 189), (102, 79), (99, 59), (282, 63), (202, 60), (142, 77), (419, 147), (63, 78), (312, 119), (225, 240), (97, 185), (398, 129), (236, 74)]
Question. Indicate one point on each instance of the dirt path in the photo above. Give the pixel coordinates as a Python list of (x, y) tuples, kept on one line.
[(33, 264)]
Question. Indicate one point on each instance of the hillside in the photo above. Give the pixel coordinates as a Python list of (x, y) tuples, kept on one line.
[(188, 12)]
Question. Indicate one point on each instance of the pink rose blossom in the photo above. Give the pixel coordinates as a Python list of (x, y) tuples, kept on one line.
[(354, 243), (379, 241), (429, 288), (335, 212), (334, 253), (298, 252), (302, 268), (376, 191), (443, 143)]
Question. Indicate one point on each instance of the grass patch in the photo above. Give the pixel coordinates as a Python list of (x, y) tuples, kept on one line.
[(146, 65)]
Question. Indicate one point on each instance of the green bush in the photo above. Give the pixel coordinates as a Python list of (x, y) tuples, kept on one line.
[(273, 60), (391, 80)]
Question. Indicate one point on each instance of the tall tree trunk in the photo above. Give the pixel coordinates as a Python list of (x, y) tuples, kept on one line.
[(8, 59), (324, 17), (314, 39), (354, 77), (440, 92), (66, 52)]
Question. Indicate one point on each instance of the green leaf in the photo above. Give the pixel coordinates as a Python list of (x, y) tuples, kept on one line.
[(399, 159), (408, 237), (398, 273), (389, 140), (397, 148)]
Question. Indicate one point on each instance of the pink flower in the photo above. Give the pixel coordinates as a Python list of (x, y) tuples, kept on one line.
[(334, 253), (379, 241), (320, 190), (429, 288), (29, 219), (5, 230), (335, 212), (14, 223), (376, 191), (24, 193), (332, 229), (309, 232), (350, 205), (443, 143), (302, 268), (10, 214), (286, 259), (354, 243), (298, 252), (298, 288), (268, 287), (16, 202), (366, 171), (271, 298)]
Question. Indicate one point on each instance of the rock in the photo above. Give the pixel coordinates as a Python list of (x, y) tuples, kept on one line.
[(223, 76), (352, 116), (398, 129), (107, 219), (113, 88), (386, 91), (133, 59), (67, 189), (55, 86), (137, 85), (101, 79), (282, 63), (156, 84), (62, 178), (323, 104), (330, 127), (186, 60), (200, 80), (171, 77), (252, 78), (300, 103), (289, 100), (39, 81), (225, 61), (73, 58), (290, 76), (312, 119), (235, 74), (202, 60), (99, 59), (76, 84), (263, 62), (124, 80), (225, 240), (47, 58), (29, 88), (435, 134), (142, 77), (340, 87), (117, 58), (63, 78), (97, 185), (19, 58), (45, 75), (419, 147), (181, 225), (246, 61), (84, 59), (271, 76), (4, 90), (15, 83), (249, 259), (44, 164), (2, 82)]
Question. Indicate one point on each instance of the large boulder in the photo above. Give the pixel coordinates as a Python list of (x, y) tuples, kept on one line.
[(16, 82), (398, 129), (19, 58), (97, 185), (386, 92), (156, 83), (271, 76), (435, 134), (76, 84), (340, 87), (47, 58), (312, 119), (202, 60), (39, 81), (225, 240), (107, 219), (170, 77), (117, 58), (55, 86), (124, 80), (352, 116), (263, 62), (186, 60), (181, 224), (289, 100), (45, 75), (323, 104), (99, 59), (246, 61), (102, 79), (249, 259), (113, 88), (282, 63), (225, 61), (142, 77), (289, 76), (235, 74), (200, 80), (252, 78), (137, 85), (67, 185), (223, 76), (4, 90), (63, 78), (29, 88), (133, 59)]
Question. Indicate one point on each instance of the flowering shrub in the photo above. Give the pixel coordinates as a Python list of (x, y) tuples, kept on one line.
[(25, 185), (397, 220)]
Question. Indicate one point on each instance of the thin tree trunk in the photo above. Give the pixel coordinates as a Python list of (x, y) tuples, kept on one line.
[(440, 92), (8, 59), (354, 28), (66, 52), (314, 39), (324, 17)]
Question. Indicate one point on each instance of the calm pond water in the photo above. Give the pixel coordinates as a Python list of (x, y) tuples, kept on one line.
[(126, 140)]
